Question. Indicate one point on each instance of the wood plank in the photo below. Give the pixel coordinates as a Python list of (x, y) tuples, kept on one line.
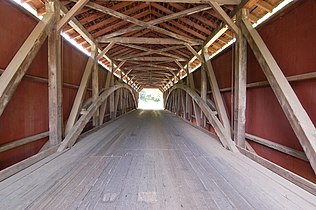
[(18, 66), (293, 109)]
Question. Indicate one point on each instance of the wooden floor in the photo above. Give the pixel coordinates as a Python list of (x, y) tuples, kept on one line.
[(150, 160)]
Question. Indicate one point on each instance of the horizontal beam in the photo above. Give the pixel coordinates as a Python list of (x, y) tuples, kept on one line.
[(23, 141), (151, 59), (299, 77), (143, 40), (278, 147)]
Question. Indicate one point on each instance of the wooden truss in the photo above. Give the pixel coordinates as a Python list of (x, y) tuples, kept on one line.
[(153, 41)]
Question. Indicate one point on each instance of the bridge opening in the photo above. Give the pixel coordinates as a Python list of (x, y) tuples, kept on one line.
[(150, 99)]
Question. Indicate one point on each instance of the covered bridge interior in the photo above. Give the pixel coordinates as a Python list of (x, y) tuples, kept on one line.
[(238, 80)]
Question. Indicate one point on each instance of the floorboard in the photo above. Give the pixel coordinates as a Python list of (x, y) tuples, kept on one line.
[(150, 160)]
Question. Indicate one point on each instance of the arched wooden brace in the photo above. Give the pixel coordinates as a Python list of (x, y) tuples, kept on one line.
[(75, 131), (224, 137)]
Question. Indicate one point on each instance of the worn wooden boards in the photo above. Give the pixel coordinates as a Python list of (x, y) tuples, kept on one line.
[(150, 160)]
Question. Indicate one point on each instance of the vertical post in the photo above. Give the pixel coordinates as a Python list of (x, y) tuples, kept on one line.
[(203, 92), (240, 86), (54, 80), (95, 87), (188, 107), (112, 105)]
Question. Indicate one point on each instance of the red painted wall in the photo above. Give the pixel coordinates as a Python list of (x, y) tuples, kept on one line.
[(290, 37), (27, 112)]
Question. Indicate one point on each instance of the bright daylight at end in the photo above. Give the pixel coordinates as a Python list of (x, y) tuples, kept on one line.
[(151, 99)]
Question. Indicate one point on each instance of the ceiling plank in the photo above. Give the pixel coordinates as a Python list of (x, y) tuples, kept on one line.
[(138, 22), (159, 20)]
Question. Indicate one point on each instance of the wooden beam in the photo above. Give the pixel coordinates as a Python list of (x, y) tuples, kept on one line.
[(80, 93), (216, 93), (227, 2), (72, 12), (75, 24), (192, 50), (55, 84), (95, 85), (203, 92), (112, 100), (23, 141), (159, 51), (151, 59), (224, 16), (293, 109), (18, 66), (281, 148), (143, 40), (299, 77), (240, 87), (179, 64), (180, 14), (105, 50)]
